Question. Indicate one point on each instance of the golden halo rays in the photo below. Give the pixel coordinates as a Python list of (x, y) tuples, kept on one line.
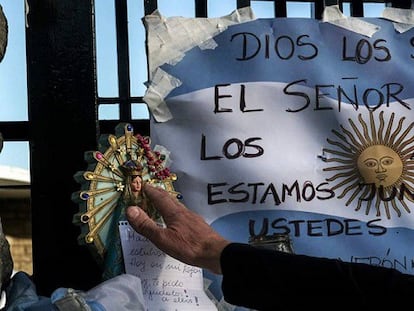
[(372, 164)]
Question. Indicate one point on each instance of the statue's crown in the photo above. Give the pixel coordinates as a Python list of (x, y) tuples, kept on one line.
[(131, 168)]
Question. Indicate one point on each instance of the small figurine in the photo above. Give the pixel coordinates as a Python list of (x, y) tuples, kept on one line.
[(132, 171), (132, 194), (114, 180)]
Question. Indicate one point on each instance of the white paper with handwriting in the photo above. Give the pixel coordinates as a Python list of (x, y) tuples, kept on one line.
[(167, 284)]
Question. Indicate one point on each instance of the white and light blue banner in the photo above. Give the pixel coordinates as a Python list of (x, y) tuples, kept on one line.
[(295, 126)]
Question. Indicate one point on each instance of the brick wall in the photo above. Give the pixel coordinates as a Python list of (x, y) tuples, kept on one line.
[(15, 217)]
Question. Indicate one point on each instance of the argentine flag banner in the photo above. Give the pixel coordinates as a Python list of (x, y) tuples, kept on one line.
[(291, 125)]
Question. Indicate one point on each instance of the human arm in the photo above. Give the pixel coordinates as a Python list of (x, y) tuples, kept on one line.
[(186, 236), (264, 279), (259, 278)]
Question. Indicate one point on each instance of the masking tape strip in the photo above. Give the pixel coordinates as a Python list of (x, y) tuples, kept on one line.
[(168, 41), (403, 18), (169, 38), (161, 85), (332, 14)]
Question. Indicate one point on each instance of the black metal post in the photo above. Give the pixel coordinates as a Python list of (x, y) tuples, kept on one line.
[(63, 114)]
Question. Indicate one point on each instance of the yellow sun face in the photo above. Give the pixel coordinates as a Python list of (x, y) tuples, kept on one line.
[(373, 167), (380, 165)]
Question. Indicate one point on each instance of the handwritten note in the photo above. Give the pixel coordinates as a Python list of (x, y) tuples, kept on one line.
[(167, 284)]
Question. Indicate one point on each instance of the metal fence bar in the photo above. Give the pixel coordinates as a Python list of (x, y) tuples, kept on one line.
[(242, 3), (402, 4), (201, 8), (123, 60), (280, 9), (150, 6), (357, 8)]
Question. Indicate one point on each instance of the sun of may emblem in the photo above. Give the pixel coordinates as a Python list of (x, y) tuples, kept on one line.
[(372, 164)]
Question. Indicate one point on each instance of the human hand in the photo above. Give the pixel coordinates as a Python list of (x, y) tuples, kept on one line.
[(186, 236)]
